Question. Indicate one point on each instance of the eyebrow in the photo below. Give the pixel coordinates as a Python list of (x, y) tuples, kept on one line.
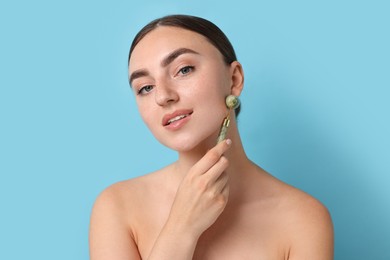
[(176, 53), (165, 62), (138, 74)]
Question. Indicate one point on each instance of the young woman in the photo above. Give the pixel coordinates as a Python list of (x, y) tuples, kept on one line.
[(213, 202)]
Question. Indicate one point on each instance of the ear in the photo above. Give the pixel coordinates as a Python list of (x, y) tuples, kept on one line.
[(237, 77)]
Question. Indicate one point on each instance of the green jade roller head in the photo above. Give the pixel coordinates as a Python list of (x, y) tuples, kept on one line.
[(232, 102)]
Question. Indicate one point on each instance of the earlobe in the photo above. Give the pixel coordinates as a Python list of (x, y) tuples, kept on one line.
[(237, 76)]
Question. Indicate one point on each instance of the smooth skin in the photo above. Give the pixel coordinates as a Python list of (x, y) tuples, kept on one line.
[(213, 202)]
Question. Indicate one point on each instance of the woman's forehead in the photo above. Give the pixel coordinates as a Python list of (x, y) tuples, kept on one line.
[(164, 39)]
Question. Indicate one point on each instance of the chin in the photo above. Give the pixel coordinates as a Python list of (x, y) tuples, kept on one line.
[(191, 143)]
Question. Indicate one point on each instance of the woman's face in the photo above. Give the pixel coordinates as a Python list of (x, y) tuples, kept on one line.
[(180, 81)]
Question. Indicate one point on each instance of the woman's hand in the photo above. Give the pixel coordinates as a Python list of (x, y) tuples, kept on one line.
[(202, 194), (200, 199)]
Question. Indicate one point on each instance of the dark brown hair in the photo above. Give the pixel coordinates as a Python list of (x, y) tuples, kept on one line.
[(196, 24)]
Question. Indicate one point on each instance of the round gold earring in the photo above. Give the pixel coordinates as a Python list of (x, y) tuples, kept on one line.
[(232, 102)]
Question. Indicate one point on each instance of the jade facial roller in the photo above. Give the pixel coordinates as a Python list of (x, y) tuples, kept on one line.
[(232, 102)]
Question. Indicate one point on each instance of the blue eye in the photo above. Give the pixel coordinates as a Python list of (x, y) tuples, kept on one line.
[(145, 90), (185, 70)]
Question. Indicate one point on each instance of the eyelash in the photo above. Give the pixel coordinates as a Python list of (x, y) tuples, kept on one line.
[(142, 90), (191, 68)]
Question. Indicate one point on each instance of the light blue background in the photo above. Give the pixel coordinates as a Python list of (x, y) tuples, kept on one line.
[(315, 112)]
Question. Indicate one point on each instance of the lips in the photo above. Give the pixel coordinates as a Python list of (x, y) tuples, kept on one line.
[(176, 116)]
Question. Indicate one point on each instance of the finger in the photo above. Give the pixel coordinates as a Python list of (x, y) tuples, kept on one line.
[(223, 196), (221, 182), (217, 170), (225, 191), (212, 157)]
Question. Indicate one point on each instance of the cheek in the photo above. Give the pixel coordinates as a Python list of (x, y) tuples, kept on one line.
[(213, 90), (217, 79), (209, 103), (146, 113)]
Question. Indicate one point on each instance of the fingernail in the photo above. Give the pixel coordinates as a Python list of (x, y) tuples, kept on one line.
[(228, 141)]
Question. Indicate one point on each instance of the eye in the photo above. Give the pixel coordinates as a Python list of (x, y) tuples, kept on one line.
[(185, 70), (144, 90)]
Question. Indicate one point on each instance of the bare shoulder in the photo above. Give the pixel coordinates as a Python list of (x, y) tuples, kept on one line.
[(307, 224), (126, 195), (112, 234), (302, 207), (116, 194)]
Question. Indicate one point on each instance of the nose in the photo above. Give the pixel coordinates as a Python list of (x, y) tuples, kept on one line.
[(165, 95)]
